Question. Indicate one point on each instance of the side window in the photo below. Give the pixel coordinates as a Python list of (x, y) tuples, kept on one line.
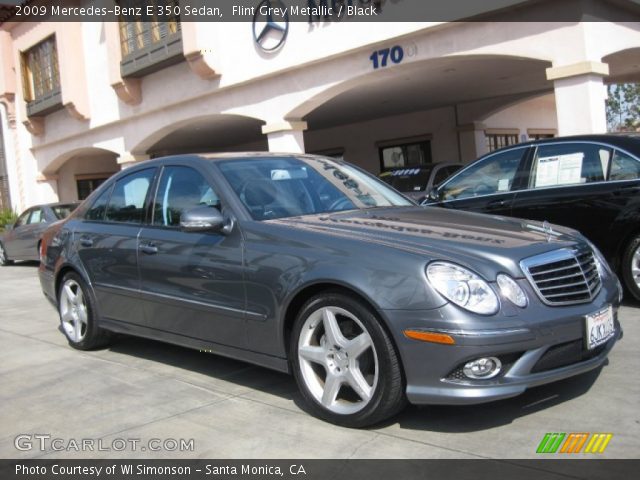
[(569, 164), (36, 216), (22, 219), (180, 189), (443, 174), (624, 167), (495, 174), (127, 200), (99, 207)]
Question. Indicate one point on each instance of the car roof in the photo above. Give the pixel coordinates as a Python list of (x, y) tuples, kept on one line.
[(623, 140), (54, 204)]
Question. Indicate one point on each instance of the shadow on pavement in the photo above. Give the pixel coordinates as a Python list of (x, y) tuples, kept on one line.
[(438, 418), (214, 366), (471, 418)]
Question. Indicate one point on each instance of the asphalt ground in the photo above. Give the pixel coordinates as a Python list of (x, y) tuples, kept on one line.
[(147, 395)]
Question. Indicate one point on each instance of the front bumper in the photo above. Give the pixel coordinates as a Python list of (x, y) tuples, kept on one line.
[(536, 345)]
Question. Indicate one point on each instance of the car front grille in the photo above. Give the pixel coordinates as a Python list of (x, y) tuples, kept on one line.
[(563, 277)]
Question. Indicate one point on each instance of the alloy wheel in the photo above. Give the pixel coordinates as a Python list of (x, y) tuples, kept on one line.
[(338, 360), (73, 311), (635, 266)]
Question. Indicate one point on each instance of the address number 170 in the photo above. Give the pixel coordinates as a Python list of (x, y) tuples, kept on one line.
[(381, 58)]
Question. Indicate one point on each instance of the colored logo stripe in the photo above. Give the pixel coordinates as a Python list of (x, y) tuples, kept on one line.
[(573, 442), (598, 443), (550, 443)]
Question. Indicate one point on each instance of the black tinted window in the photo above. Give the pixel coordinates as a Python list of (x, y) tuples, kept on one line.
[(569, 164), (495, 174), (181, 188), (127, 200), (624, 167), (99, 207)]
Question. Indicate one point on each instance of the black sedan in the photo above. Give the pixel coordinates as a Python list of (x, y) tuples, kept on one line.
[(311, 266), (21, 241), (590, 183)]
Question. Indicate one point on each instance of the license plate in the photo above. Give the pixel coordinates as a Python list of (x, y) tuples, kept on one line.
[(600, 327)]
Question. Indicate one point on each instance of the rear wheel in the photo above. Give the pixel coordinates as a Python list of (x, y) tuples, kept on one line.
[(4, 260), (631, 267), (77, 314), (344, 362)]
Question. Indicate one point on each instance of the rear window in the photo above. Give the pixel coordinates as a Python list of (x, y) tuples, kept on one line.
[(63, 211)]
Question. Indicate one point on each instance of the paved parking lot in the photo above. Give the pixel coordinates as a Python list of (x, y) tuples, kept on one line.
[(140, 389)]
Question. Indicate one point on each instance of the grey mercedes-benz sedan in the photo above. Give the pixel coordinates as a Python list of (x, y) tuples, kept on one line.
[(309, 265)]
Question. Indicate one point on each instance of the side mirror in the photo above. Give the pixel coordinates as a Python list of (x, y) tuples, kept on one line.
[(433, 195), (202, 219)]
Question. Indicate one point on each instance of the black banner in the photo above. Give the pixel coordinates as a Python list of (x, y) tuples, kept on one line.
[(318, 469), (323, 11)]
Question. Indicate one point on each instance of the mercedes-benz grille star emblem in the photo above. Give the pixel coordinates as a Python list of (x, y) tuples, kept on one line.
[(270, 24)]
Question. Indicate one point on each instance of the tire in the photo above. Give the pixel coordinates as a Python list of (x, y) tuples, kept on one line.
[(630, 267), (352, 376), (77, 311), (4, 260)]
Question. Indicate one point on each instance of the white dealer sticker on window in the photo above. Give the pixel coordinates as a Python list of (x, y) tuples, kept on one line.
[(559, 170)]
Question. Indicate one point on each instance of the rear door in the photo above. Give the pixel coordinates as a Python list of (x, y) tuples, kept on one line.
[(567, 187), (107, 243), (13, 239), (192, 283), (27, 235), (487, 186)]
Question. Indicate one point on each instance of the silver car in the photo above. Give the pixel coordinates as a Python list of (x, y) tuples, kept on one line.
[(21, 241)]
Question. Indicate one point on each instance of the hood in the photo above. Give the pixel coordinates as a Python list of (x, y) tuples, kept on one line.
[(480, 242)]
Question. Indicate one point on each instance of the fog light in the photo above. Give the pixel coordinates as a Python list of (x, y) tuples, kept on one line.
[(483, 368)]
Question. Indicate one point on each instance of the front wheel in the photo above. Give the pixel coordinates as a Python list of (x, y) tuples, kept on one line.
[(77, 314), (631, 267), (344, 362), (4, 260)]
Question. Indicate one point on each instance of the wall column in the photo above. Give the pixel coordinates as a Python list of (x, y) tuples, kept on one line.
[(472, 141), (580, 97), (285, 137)]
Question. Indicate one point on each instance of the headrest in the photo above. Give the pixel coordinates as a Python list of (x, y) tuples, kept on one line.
[(260, 192)]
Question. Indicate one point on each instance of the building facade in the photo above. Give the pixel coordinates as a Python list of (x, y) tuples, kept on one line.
[(82, 100)]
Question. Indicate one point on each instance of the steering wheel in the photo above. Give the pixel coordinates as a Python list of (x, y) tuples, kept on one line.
[(482, 188), (342, 203)]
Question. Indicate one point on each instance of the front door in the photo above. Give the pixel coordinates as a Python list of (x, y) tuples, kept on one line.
[(191, 282)]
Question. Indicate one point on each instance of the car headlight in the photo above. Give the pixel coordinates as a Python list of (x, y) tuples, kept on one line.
[(462, 287), (511, 290)]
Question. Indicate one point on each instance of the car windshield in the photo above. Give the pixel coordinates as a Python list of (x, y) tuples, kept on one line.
[(63, 211), (407, 179), (278, 187)]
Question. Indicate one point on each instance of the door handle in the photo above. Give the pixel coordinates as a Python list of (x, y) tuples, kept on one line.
[(86, 242), (148, 248), (497, 203)]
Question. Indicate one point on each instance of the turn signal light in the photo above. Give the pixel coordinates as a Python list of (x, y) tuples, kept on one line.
[(431, 337)]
